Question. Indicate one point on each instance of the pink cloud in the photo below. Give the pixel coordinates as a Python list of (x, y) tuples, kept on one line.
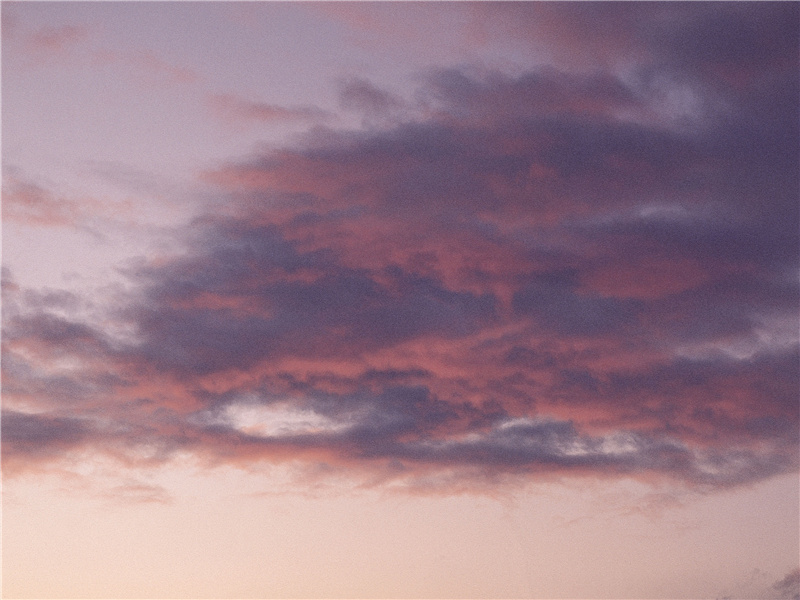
[(149, 67), (28, 203), (502, 288), (55, 41), (234, 107)]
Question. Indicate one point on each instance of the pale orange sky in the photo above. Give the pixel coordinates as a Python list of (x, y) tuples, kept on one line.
[(239, 535)]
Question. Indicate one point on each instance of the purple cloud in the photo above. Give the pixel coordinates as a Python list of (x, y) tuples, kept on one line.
[(547, 274)]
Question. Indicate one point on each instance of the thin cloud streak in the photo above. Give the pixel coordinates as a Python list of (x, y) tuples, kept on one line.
[(233, 107)]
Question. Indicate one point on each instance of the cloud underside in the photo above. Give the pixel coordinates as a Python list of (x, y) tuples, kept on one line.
[(544, 275)]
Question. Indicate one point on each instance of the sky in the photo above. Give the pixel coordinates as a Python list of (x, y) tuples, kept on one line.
[(400, 300)]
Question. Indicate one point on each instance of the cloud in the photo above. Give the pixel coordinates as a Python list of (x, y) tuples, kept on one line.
[(512, 277), (149, 67), (51, 42), (234, 107), (29, 203), (34, 204), (38, 435), (756, 585), (137, 492), (717, 43), (789, 586), (375, 105), (79, 44)]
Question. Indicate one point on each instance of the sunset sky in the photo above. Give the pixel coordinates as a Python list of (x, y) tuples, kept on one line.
[(400, 300)]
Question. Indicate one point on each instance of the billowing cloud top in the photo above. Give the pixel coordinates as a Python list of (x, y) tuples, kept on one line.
[(568, 271)]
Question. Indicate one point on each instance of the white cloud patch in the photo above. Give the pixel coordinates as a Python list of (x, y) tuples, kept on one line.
[(278, 419)]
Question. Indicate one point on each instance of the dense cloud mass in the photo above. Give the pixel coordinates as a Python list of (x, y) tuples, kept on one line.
[(561, 272)]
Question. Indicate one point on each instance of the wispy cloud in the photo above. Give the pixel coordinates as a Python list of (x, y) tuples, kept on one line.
[(29, 203), (53, 42), (234, 107), (149, 67)]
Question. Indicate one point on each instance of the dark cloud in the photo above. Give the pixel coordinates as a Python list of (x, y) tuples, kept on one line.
[(711, 40), (551, 298), (252, 295), (495, 98), (789, 586), (39, 434), (542, 274), (370, 101)]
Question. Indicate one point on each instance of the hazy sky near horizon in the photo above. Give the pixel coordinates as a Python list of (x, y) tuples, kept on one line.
[(419, 299)]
